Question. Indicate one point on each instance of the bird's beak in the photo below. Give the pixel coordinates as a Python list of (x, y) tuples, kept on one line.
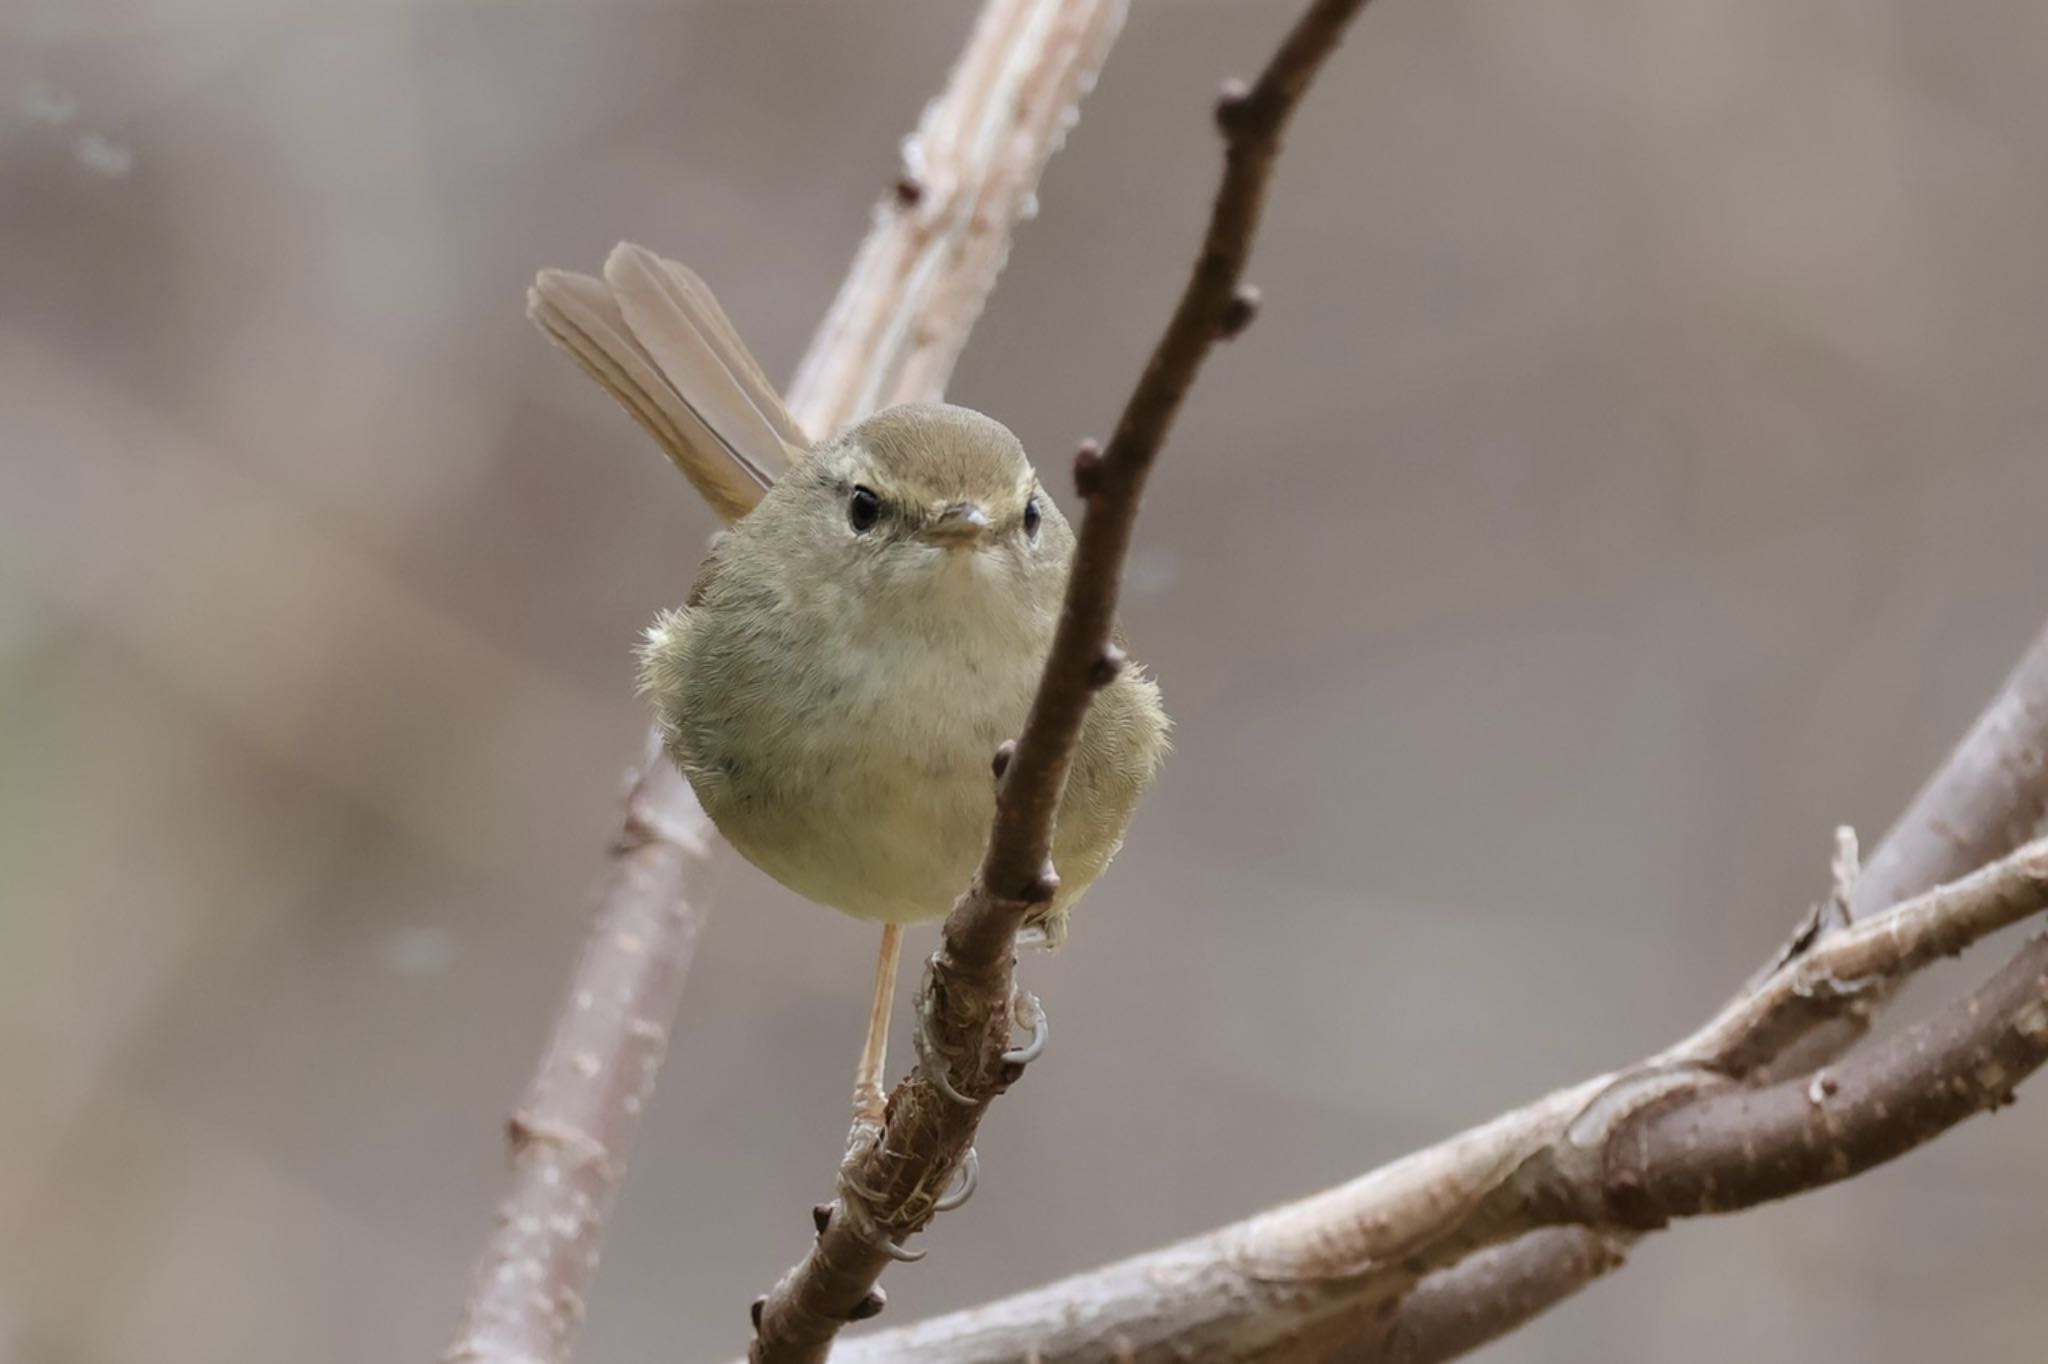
[(960, 526)]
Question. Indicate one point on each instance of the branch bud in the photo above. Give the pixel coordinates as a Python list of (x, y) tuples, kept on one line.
[(1239, 312), (1040, 889), (1230, 105), (1088, 469)]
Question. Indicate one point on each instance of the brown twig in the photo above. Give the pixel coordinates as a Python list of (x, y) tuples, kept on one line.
[(900, 321), (1016, 872), (966, 992)]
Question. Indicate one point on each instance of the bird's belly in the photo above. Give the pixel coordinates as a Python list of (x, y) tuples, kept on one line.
[(876, 803)]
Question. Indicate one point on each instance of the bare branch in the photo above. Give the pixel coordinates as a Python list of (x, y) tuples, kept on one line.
[(1433, 1254), (942, 233), (1487, 1294), (1990, 793), (913, 294), (968, 983), (573, 1131), (1838, 975), (1737, 1147)]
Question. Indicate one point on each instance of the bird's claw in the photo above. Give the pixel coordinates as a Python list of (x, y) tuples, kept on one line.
[(1028, 1013), (1025, 1011), (964, 1185), (859, 1201), (931, 1058)]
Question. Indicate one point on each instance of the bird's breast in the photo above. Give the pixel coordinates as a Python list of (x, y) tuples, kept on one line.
[(860, 776)]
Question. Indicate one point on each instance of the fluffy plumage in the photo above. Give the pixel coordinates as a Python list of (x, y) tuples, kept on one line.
[(835, 696), (835, 688)]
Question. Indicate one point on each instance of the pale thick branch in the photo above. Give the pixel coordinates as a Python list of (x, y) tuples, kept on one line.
[(1733, 1148), (573, 1131), (1989, 793), (1433, 1254), (918, 284), (967, 988)]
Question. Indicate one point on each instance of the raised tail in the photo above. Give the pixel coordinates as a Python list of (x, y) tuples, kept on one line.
[(651, 333)]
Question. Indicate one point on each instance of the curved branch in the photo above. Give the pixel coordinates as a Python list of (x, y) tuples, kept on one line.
[(1448, 1247), (1988, 794), (1735, 1148)]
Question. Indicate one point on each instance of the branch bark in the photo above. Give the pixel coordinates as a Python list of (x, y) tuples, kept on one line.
[(968, 984), (573, 1131), (1736, 1147), (1987, 795), (1449, 1247), (939, 239)]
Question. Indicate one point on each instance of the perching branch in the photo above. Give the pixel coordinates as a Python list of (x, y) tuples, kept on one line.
[(940, 238), (967, 988)]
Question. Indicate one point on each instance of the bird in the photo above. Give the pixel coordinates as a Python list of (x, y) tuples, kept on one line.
[(865, 635)]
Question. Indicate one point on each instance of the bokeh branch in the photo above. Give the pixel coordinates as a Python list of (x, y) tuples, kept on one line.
[(940, 237), (968, 985)]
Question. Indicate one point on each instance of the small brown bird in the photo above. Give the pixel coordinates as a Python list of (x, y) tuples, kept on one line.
[(868, 632)]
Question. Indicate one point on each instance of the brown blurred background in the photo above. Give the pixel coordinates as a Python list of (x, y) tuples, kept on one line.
[(1637, 471)]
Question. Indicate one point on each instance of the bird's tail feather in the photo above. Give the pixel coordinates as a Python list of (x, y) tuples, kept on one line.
[(651, 333)]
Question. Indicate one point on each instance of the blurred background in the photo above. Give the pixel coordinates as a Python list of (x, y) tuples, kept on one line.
[(1636, 472)]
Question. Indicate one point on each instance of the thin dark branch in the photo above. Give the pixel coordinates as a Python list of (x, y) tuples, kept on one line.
[(1212, 306), (967, 987)]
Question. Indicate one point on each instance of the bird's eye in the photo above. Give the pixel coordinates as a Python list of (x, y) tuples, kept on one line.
[(1031, 518), (863, 509)]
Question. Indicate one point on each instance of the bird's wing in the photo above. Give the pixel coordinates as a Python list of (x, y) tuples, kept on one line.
[(653, 336)]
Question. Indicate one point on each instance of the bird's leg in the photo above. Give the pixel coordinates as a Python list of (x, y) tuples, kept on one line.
[(871, 1102), (869, 1099)]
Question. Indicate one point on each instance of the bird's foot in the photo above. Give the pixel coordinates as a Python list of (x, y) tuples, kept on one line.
[(1025, 1012), (1043, 935), (860, 1202)]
